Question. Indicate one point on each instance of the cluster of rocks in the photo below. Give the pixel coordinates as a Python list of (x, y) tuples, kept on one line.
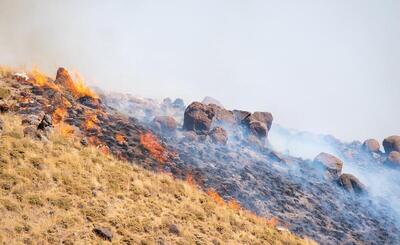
[(332, 168), (391, 146), (215, 121)]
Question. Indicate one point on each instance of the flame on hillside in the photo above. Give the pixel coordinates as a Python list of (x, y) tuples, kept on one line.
[(91, 122), (79, 89), (120, 139), (40, 80), (156, 150)]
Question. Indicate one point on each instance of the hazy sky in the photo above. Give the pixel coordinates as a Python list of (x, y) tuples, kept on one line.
[(324, 66)]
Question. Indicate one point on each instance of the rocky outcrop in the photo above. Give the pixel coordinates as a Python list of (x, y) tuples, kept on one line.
[(393, 159), (219, 135), (259, 123), (240, 115), (350, 183), (330, 164), (164, 124), (46, 123), (391, 143), (371, 145), (63, 78), (198, 117)]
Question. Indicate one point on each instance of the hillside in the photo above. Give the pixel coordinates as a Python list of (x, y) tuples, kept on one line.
[(58, 191)]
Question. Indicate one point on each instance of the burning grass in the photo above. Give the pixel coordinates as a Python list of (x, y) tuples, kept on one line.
[(56, 192), (156, 150)]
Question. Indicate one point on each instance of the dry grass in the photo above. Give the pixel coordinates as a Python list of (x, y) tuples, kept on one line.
[(56, 192)]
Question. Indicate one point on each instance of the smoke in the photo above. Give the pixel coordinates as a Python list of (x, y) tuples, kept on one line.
[(303, 62), (382, 182)]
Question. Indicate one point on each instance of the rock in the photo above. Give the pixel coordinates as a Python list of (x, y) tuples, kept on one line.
[(371, 145), (393, 159), (46, 123), (189, 136), (63, 78), (4, 107), (329, 163), (391, 143), (259, 123), (263, 117), (1, 125), (350, 183), (30, 120), (104, 233), (178, 103), (198, 117), (89, 101), (174, 229), (222, 115), (240, 115), (164, 124), (209, 100), (219, 135)]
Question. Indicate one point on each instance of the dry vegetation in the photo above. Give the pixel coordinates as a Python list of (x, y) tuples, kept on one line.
[(57, 192)]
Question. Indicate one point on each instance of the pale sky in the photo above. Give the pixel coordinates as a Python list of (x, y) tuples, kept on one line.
[(323, 66)]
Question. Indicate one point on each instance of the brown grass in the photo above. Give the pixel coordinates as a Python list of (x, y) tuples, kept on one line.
[(57, 192)]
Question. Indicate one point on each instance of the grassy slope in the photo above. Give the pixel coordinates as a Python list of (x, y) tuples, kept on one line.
[(57, 192)]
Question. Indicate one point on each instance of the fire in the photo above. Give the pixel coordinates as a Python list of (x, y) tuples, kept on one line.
[(190, 180), (157, 151), (91, 122), (40, 80), (65, 129), (59, 114), (272, 222), (79, 89), (233, 204), (216, 197), (120, 138)]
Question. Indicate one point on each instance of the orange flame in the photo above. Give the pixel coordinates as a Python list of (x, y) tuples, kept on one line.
[(91, 122), (157, 151), (190, 180), (59, 114), (40, 80), (216, 197), (272, 222), (65, 129), (79, 89), (120, 139), (233, 204)]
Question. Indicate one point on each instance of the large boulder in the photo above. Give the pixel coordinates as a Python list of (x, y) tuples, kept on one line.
[(393, 159), (222, 115), (63, 78), (240, 115), (219, 135), (198, 117), (329, 163), (350, 183), (371, 145), (391, 143), (164, 124), (259, 123)]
